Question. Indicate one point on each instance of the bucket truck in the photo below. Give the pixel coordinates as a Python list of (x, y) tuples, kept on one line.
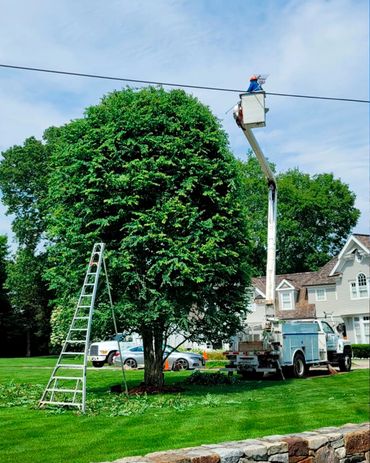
[(289, 347)]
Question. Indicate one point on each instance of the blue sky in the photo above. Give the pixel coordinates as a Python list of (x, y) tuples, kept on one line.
[(315, 47)]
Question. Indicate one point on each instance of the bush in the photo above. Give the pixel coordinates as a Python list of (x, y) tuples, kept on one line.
[(209, 379), (211, 354), (216, 355), (361, 351), (216, 363)]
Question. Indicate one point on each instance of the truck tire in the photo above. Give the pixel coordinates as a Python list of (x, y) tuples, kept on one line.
[(345, 361), (98, 364), (299, 366), (110, 357)]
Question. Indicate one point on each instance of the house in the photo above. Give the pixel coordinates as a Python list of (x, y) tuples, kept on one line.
[(340, 289)]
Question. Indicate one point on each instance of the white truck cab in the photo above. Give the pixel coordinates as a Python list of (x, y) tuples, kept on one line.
[(103, 352)]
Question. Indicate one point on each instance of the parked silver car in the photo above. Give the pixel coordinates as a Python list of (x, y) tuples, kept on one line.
[(134, 358)]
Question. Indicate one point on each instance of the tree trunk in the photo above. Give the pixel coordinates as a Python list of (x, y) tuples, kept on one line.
[(28, 342), (153, 357)]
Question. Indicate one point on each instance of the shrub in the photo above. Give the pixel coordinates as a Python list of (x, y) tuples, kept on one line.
[(209, 379), (211, 354), (361, 351), (216, 363)]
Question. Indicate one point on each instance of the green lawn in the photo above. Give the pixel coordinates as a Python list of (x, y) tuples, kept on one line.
[(115, 428)]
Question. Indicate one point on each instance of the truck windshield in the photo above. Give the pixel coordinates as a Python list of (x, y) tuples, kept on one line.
[(327, 328)]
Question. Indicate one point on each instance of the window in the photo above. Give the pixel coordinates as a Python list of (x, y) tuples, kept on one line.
[(361, 326), (366, 324), (327, 328), (359, 288), (321, 294), (286, 300)]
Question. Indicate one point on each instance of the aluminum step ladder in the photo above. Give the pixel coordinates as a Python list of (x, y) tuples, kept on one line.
[(67, 383)]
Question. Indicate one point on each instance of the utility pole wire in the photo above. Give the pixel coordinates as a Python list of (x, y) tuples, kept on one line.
[(171, 84)]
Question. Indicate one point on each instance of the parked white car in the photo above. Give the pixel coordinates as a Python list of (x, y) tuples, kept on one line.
[(133, 357), (104, 351)]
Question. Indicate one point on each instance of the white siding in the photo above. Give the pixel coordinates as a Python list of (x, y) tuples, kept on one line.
[(350, 270), (329, 305)]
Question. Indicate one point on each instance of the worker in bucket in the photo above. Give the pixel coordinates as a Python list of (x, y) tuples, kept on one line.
[(254, 85)]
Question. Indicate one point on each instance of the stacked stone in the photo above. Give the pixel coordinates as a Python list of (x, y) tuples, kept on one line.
[(347, 444)]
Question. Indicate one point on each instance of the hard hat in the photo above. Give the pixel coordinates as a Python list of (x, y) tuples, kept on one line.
[(254, 77)]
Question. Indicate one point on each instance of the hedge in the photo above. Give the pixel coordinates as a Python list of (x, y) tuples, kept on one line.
[(361, 351)]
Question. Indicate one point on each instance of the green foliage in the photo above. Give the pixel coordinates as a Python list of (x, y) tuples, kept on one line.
[(23, 182), (150, 174), (19, 395), (29, 298), (361, 351), (210, 364), (6, 315), (315, 216), (215, 355), (209, 379)]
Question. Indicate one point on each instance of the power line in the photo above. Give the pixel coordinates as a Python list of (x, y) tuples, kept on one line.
[(171, 84)]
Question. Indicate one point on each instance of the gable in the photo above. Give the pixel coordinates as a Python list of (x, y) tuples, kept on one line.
[(284, 285), (354, 250)]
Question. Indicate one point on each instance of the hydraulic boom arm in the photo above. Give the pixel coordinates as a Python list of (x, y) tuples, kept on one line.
[(272, 209)]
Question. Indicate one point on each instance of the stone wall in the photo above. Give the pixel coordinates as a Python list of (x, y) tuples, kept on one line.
[(347, 444)]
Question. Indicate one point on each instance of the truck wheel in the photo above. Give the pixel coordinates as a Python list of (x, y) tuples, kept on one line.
[(252, 374), (299, 366), (110, 357), (98, 364), (345, 361)]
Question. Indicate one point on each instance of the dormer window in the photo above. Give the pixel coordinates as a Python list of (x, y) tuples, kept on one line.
[(359, 287), (287, 293), (286, 300)]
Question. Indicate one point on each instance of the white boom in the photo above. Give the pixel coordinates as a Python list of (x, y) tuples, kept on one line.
[(250, 113)]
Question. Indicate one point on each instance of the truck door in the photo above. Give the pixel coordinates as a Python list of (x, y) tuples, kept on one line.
[(331, 337)]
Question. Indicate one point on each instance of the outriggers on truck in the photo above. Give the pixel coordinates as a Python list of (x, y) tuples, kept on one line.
[(289, 347)]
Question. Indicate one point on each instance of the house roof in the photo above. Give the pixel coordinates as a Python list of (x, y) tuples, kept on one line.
[(326, 275), (363, 239), (298, 280), (354, 241)]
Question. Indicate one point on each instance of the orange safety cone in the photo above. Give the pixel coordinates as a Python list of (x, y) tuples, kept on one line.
[(205, 356), (166, 365)]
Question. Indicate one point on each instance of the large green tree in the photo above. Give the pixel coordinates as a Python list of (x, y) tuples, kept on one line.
[(7, 322), (23, 182), (29, 299), (315, 216), (150, 174)]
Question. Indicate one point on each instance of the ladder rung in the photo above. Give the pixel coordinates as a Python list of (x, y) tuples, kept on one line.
[(79, 378), (52, 402), (53, 389), (82, 318), (75, 341), (84, 307), (86, 295), (89, 284), (91, 273), (78, 329), (73, 353), (70, 365)]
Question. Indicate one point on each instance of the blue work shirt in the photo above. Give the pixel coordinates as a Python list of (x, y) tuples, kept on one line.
[(254, 86)]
